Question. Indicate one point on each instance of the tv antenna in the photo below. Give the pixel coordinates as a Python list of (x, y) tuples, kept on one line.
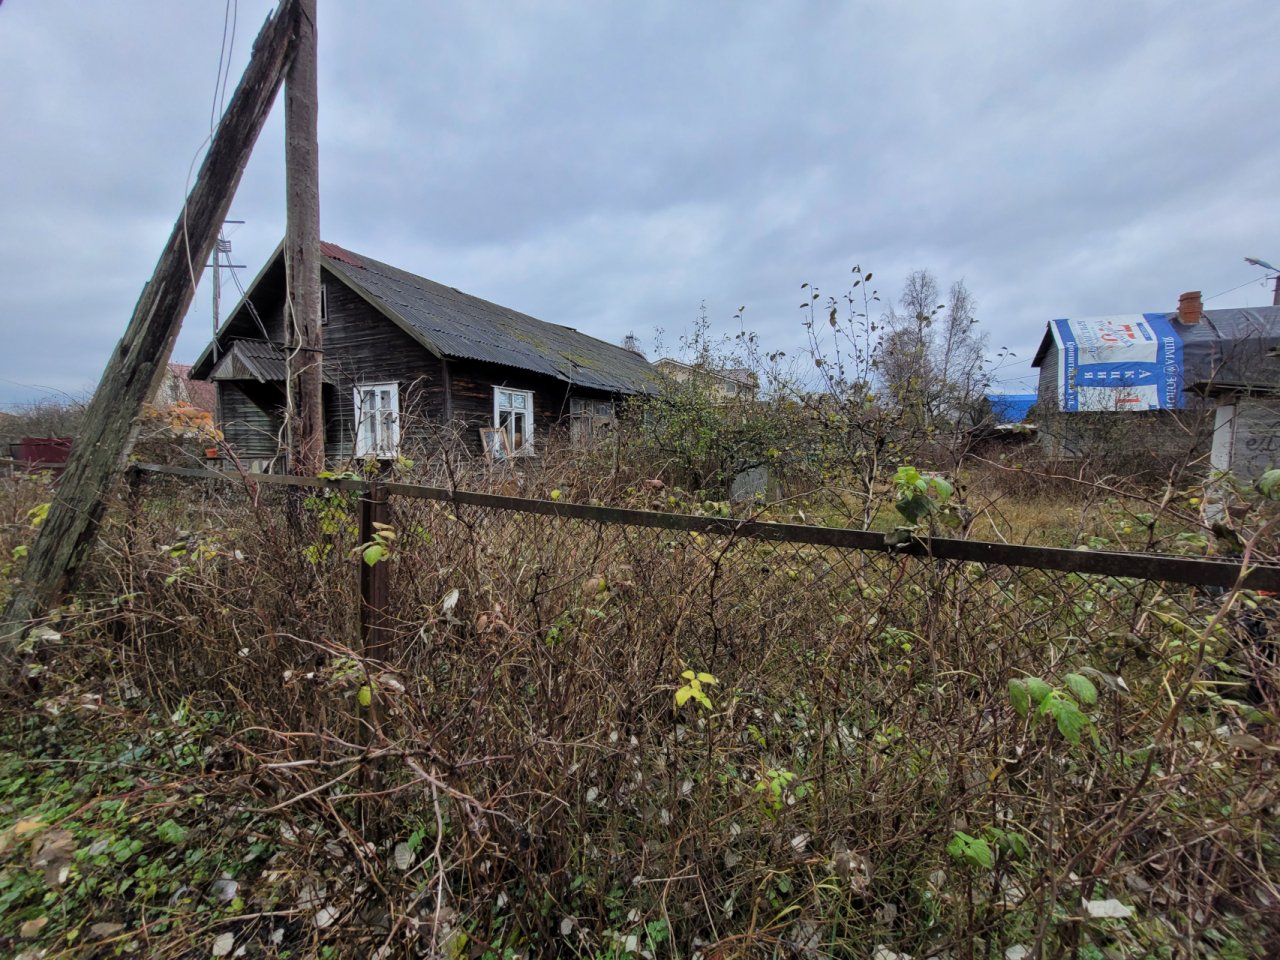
[(221, 248)]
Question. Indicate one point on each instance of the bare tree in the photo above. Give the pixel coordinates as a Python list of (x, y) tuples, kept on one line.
[(931, 355)]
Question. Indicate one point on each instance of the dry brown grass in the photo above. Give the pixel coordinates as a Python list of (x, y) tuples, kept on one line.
[(524, 743)]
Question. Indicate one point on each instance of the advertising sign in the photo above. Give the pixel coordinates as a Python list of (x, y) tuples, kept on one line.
[(1125, 362)]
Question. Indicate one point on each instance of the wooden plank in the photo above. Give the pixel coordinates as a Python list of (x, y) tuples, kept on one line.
[(138, 362), (375, 579), (305, 416), (1139, 566)]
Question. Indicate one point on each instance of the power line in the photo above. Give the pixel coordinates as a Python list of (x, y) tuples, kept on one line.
[(224, 66), (1245, 284), (235, 16)]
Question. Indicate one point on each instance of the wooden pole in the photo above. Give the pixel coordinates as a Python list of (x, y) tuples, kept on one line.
[(375, 638), (302, 252), (138, 362), (375, 580)]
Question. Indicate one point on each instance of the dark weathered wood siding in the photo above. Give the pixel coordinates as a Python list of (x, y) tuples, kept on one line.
[(363, 346), (249, 414), (472, 386)]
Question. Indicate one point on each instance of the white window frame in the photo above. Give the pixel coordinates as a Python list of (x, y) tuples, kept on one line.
[(526, 448), (377, 430)]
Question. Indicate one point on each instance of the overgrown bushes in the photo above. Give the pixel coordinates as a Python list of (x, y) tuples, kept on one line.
[(933, 758)]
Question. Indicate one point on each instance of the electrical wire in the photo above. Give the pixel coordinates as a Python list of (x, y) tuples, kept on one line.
[(231, 46), (244, 299), (1245, 284), (219, 93), (224, 58)]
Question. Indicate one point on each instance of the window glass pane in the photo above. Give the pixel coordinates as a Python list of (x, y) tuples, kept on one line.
[(376, 410), (518, 400)]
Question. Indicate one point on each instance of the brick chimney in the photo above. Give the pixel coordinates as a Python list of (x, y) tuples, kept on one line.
[(1190, 307)]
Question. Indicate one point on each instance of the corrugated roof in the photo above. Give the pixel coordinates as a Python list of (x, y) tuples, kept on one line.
[(1231, 346), (259, 360), (456, 324)]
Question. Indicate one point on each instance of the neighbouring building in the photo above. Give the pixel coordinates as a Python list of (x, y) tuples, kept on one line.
[(723, 381), (1119, 386), (177, 388), (1009, 408), (1246, 407)]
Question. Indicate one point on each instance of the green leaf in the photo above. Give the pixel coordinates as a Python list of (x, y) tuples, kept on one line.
[(914, 509), (1269, 484), (1083, 688), (683, 695), (1018, 697), (373, 553), (365, 695), (1071, 722), (1038, 689), (972, 850), (171, 832), (1016, 844)]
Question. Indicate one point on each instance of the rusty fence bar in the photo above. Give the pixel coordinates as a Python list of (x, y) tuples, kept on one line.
[(1195, 571)]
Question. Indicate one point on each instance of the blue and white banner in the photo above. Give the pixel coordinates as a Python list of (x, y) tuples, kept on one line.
[(1126, 362)]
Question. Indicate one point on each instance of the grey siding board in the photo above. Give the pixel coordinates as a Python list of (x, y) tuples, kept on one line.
[(1047, 390), (248, 415)]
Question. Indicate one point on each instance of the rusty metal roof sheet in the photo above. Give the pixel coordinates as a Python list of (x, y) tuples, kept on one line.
[(456, 324)]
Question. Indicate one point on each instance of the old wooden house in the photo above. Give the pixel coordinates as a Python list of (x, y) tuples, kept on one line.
[(404, 356)]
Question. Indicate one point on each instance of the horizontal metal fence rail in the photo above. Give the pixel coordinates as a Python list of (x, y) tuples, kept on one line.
[(1194, 571)]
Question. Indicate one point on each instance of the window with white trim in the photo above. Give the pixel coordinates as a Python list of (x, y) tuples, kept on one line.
[(377, 420), (589, 420), (513, 416)]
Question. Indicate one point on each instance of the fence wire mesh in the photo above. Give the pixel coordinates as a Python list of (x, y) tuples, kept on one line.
[(943, 757)]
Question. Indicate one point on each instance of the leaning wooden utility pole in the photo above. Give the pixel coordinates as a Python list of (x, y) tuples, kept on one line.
[(305, 411), (138, 362)]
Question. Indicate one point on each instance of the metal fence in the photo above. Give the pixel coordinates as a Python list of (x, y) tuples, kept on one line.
[(531, 650)]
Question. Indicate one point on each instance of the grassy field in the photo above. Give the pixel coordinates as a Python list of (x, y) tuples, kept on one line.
[(607, 742)]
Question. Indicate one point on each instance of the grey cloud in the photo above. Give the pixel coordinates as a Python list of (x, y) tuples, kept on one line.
[(612, 165)]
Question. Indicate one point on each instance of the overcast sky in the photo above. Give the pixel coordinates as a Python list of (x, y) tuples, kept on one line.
[(612, 165)]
